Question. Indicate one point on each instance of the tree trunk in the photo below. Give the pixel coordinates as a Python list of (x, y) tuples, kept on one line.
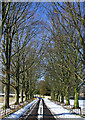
[(59, 98), (52, 94), (17, 95), (17, 83), (29, 96), (7, 76), (6, 96), (7, 73), (25, 95), (62, 98), (26, 91), (22, 92), (23, 78), (76, 103), (56, 96), (17, 88), (22, 95), (67, 96), (7, 85)]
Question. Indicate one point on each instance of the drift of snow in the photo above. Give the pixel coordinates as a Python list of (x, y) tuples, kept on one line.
[(59, 111), (20, 112)]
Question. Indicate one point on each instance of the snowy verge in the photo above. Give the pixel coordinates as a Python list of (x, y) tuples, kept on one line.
[(21, 111), (58, 111)]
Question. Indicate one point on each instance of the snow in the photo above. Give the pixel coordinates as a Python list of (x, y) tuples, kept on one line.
[(40, 110), (18, 113), (59, 111), (81, 103)]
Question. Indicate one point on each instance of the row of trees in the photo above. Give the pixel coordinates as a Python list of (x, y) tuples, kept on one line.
[(20, 53), (64, 61)]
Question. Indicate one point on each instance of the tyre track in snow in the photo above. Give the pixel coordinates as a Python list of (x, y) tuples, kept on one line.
[(31, 114), (47, 114), (35, 114)]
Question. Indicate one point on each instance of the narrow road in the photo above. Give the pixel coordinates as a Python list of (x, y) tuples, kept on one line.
[(47, 114), (36, 113), (31, 114)]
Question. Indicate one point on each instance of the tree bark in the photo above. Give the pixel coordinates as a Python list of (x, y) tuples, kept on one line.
[(59, 98), (62, 98), (26, 98), (17, 95), (7, 95), (21, 95), (67, 96), (7, 72), (76, 103), (29, 95), (17, 88), (17, 81), (56, 96), (52, 94)]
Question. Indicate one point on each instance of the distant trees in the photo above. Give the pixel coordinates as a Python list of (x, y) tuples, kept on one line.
[(43, 87)]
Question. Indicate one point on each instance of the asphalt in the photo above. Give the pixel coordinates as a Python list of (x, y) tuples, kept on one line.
[(47, 115)]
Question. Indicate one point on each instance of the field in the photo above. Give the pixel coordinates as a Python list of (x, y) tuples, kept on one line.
[(11, 100)]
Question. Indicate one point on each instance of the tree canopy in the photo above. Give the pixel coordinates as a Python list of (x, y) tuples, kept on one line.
[(43, 40)]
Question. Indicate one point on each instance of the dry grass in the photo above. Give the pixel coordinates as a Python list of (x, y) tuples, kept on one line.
[(11, 99), (1, 99)]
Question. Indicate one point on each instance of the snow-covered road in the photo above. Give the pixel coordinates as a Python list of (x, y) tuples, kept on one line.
[(21, 111), (59, 111)]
